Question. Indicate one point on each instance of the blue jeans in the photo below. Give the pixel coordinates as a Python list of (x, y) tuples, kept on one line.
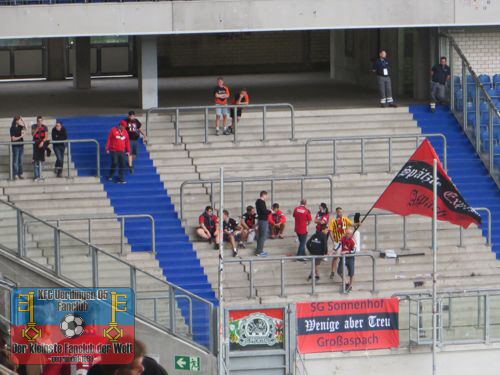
[(263, 229), (37, 168), (59, 151), (17, 160), (302, 244)]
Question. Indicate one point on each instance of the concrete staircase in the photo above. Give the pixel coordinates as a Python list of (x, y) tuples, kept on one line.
[(355, 192), (76, 197)]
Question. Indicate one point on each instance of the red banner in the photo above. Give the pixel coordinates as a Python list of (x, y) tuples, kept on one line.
[(347, 325), (411, 191)]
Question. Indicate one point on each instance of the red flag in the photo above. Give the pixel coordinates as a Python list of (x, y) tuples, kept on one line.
[(411, 191)]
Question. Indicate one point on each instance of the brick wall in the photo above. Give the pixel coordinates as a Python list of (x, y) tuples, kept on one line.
[(481, 47), (243, 52)]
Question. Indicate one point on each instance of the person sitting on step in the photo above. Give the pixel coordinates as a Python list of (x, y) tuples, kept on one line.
[(277, 221), (232, 232), (208, 228)]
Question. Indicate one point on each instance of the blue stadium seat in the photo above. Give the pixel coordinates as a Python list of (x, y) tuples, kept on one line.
[(485, 80), (469, 80), (496, 80), (457, 81), (497, 91)]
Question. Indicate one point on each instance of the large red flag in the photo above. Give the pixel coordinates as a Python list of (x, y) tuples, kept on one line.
[(411, 191)]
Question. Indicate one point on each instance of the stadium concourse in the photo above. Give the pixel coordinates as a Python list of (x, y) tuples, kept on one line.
[(322, 109)]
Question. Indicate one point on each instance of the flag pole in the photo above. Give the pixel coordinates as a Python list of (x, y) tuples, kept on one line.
[(434, 266), (221, 330)]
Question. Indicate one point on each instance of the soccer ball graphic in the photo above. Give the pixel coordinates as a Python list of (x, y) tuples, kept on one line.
[(72, 325)]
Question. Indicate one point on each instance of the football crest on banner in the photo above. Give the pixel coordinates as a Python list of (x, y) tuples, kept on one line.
[(257, 329)]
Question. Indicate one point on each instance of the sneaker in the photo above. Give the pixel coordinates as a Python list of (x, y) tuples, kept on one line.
[(263, 254), (231, 130), (317, 277), (332, 275), (242, 245), (121, 182), (217, 131), (225, 132), (49, 152), (20, 177), (235, 253), (301, 260), (281, 237), (110, 178), (217, 247), (309, 277), (393, 105), (348, 287)]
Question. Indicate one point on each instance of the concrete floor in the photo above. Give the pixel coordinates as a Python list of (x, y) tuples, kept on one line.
[(118, 95)]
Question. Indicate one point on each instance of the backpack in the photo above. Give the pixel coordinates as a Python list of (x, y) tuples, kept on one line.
[(315, 245)]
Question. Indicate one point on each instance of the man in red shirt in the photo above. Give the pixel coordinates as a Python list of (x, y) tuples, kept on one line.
[(303, 218), (118, 145), (347, 246), (277, 221), (209, 226)]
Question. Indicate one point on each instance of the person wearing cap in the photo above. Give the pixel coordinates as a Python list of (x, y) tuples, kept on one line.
[(118, 145)]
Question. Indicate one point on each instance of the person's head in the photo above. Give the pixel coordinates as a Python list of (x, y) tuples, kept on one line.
[(225, 214), (349, 232), (250, 210), (338, 211), (209, 210), (323, 208), (243, 91), (59, 125), (220, 81), (442, 60), (133, 368), (263, 195), (303, 202), (39, 120), (131, 115), (16, 120), (123, 124), (357, 223), (275, 207), (382, 54)]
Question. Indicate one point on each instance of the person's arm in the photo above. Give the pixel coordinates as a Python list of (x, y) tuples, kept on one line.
[(243, 224), (108, 142), (12, 137), (270, 219)]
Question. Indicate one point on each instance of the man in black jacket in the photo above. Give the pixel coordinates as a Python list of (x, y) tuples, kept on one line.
[(263, 225), (59, 134)]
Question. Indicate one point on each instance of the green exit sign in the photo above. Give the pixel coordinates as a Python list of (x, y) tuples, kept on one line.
[(188, 363)]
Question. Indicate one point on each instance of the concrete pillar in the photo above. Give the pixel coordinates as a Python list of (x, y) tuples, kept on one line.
[(148, 71), (56, 68), (422, 63), (81, 68)]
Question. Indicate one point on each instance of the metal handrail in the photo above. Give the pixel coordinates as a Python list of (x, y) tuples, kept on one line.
[(481, 95), (233, 107), (121, 218), (68, 141), (284, 259), (483, 317), (172, 288), (363, 138), (243, 180), (405, 237)]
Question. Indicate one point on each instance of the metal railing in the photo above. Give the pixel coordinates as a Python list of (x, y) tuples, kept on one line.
[(283, 260), (233, 107), (170, 290), (483, 145), (362, 142), (120, 218), (376, 220), (243, 180), (475, 328), (68, 150)]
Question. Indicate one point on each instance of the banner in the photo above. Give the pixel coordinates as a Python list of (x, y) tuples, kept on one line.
[(347, 325), (256, 329), (72, 325), (411, 191)]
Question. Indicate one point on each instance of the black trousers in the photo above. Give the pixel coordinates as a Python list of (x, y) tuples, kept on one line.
[(117, 159)]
